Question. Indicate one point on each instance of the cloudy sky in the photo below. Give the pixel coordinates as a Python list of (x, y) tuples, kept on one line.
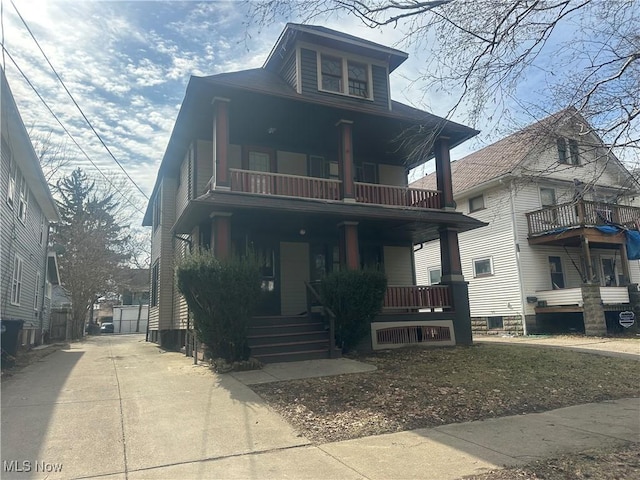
[(127, 64)]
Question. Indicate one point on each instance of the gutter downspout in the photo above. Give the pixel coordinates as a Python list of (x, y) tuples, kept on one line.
[(516, 247)]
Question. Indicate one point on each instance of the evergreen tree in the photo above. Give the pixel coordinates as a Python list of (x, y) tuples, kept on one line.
[(90, 244)]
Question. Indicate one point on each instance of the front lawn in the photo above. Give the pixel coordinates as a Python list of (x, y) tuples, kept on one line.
[(417, 388)]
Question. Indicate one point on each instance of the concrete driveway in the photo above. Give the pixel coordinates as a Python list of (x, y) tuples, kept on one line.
[(118, 407)]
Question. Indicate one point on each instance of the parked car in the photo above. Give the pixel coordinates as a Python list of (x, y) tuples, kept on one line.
[(106, 328)]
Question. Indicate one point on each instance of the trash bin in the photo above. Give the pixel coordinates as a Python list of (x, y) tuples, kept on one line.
[(9, 333)]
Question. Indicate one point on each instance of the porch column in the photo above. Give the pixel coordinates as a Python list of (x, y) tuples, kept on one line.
[(453, 278), (625, 264), (221, 143), (443, 173), (593, 311), (349, 251), (586, 252), (221, 235), (345, 159)]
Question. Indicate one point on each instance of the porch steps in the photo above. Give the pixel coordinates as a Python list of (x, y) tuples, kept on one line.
[(288, 338)]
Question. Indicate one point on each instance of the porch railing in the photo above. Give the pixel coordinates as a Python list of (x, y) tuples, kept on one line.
[(396, 196), (313, 298), (267, 183), (418, 297), (581, 214)]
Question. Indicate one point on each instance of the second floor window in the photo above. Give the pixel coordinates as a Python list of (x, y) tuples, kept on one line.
[(476, 203), (23, 200), (341, 75), (16, 284), (568, 152)]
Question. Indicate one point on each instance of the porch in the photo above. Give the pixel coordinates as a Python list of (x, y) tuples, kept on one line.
[(571, 299), (562, 219)]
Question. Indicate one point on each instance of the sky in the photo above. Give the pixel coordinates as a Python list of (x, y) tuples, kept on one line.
[(127, 64)]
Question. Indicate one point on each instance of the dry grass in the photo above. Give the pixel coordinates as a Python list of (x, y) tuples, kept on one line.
[(417, 388)]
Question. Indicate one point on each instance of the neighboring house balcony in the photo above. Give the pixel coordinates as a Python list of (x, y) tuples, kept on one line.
[(559, 224), (267, 183)]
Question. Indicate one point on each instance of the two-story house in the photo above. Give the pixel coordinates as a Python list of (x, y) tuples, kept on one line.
[(305, 160), (554, 256), (27, 210)]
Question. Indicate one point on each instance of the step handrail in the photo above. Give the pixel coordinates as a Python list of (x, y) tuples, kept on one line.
[(328, 312)]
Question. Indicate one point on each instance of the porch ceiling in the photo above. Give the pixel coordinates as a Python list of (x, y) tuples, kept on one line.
[(288, 215), (573, 238)]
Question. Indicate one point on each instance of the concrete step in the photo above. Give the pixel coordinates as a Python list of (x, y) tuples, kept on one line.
[(289, 347), (270, 320), (293, 356), (291, 328), (256, 340)]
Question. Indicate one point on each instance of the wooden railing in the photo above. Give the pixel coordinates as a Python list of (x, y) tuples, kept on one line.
[(313, 298), (267, 183), (418, 296), (396, 196), (581, 214)]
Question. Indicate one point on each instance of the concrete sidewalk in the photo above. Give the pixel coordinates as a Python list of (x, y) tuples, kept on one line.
[(116, 407), (607, 346)]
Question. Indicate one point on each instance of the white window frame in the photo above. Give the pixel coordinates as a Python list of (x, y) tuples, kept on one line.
[(16, 280), (13, 172), (42, 224), (433, 269), (344, 87), (23, 200), (482, 259), (36, 295)]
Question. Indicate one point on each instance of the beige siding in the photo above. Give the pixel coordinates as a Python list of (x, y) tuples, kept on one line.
[(204, 165), (186, 177), (392, 175), (165, 240), (179, 303), (292, 163), (294, 271), (397, 265)]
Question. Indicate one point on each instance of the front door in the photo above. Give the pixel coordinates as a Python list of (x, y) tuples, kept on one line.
[(267, 255)]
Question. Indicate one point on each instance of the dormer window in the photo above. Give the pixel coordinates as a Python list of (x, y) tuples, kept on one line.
[(344, 76)]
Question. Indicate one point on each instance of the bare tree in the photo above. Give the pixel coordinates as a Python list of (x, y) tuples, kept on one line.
[(582, 53), (54, 156)]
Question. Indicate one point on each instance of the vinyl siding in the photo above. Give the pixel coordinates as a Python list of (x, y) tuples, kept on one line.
[(288, 71), (181, 311), (397, 265), (22, 239), (291, 163), (294, 271), (185, 184), (392, 175)]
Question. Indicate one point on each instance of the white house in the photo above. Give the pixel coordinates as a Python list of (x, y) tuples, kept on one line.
[(553, 256)]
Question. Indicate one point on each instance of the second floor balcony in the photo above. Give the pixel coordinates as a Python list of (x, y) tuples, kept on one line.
[(267, 183), (581, 214)]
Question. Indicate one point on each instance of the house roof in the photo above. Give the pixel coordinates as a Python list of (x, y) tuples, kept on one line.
[(506, 155), (15, 133), (331, 38)]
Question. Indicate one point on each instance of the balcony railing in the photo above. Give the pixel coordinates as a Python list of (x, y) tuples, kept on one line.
[(396, 196), (581, 214), (266, 183), (418, 297)]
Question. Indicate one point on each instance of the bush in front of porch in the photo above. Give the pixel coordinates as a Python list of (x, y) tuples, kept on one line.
[(222, 296), (355, 297)]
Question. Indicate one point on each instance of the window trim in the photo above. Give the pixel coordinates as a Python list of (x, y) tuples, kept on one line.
[(482, 259), (13, 172), (568, 151), (36, 295), (16, 280), (471, 209), (344, 82), (154, 299), (555, 198)]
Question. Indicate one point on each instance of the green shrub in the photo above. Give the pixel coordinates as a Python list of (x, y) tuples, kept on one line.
[(222, 297), (356, 297)]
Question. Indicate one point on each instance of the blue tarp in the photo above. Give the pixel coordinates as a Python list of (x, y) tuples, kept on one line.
[(608, 229), (633, 244)]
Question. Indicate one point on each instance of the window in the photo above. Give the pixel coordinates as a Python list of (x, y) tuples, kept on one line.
[(435, 274), (476, 203), (36, 296), (23, 200), (155, 284), (547, 197), (367, 172), (42, 224), (495, 322), (16, 285), (482, 267), (320, 167), (259, 161), (557, 275), (570, 155), (12, 182), (345, 76)]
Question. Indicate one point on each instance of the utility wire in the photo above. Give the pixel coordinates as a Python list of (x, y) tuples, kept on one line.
[(127, 199), (76, 103)]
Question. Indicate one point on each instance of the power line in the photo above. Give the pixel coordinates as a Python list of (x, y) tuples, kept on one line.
[(76, 103), (127, 199)]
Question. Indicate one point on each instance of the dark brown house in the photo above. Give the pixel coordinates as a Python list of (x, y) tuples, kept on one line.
[(306, 161)]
